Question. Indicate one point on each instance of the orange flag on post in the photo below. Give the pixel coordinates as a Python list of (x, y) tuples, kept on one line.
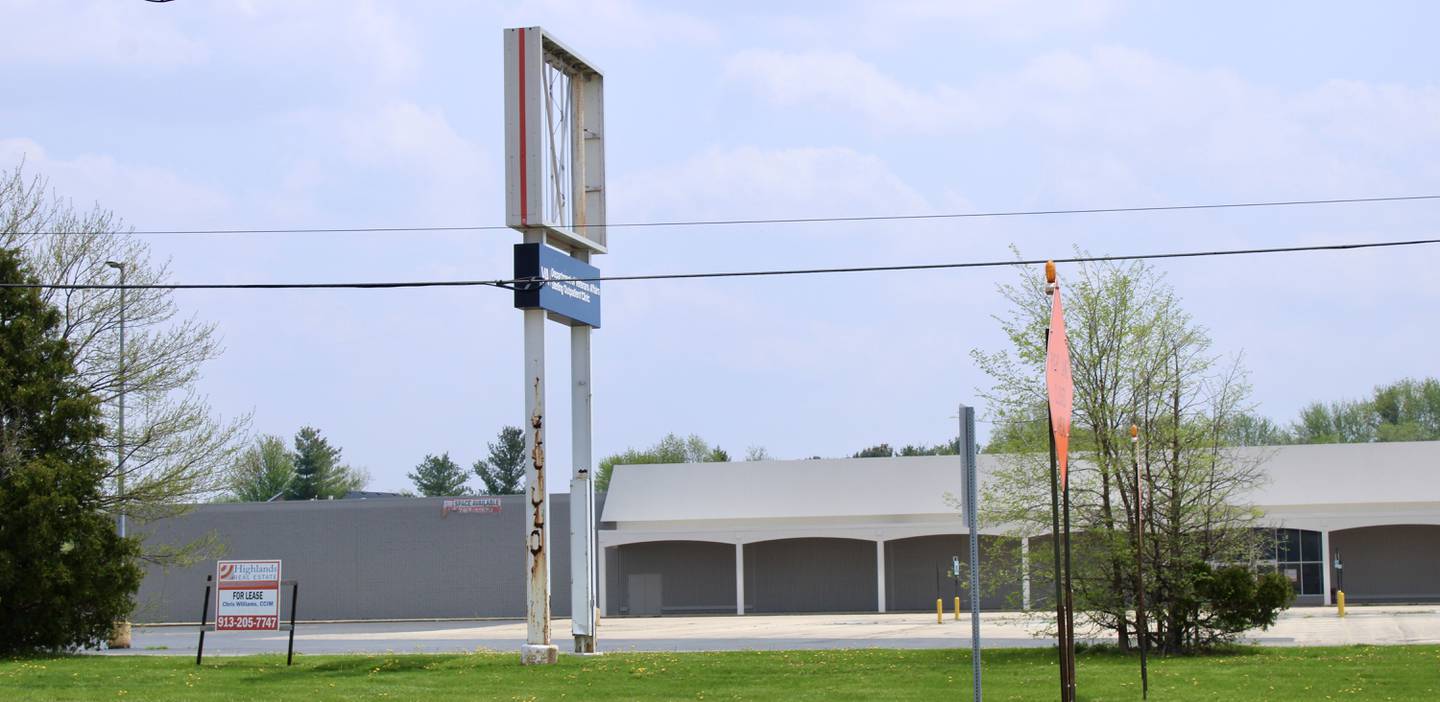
[(1058, 384)]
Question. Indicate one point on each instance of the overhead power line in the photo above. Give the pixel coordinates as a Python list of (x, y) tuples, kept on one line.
[(785, 220), (511, 283)]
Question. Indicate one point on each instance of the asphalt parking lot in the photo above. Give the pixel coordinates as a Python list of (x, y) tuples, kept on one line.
[(1310, 626)]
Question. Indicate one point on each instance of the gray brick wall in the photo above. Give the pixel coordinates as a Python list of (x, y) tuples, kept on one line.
[(396, 558)]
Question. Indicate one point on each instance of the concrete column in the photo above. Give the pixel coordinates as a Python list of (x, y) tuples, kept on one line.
[(582, 493), (880, 577), (739, 578), (1325, 567), (1025, 573)]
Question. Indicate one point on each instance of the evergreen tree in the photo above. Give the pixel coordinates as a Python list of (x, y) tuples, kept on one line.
[(504, 471), (319, 474), (66, 576), (438, 476)]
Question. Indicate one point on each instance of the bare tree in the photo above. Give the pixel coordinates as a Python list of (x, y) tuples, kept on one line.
[(176, 449), (1138, 358)]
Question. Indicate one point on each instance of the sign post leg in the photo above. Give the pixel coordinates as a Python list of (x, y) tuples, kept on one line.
[(582, 493), (294, 600), (204, 615), (537, 648)]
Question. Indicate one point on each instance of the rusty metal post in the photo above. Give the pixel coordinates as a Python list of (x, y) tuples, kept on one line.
[(537, 648)]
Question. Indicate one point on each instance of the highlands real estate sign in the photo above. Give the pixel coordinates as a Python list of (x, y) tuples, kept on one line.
[(247, 595)]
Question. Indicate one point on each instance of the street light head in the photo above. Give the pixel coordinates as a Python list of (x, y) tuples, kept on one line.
[(116, 265), (1050, 272), (1134, 433)]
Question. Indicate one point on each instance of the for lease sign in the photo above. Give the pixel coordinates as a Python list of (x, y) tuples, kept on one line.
[(247, 595)]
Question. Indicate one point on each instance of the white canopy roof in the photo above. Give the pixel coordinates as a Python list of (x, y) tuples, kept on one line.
[(917, 487)]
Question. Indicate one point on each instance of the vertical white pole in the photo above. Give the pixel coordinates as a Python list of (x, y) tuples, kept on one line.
[(602, 607), (1025, 573), (1325, 566), (966, 449), (582, 494), (739, 578), (880, 576), (537, 648)]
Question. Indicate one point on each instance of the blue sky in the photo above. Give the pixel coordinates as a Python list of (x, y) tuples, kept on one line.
[(258, 113)]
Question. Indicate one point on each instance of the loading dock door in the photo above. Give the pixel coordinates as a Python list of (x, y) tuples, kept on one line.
[(644, 590)]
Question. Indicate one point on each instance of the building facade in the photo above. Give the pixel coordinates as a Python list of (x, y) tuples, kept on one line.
[(846, 535)]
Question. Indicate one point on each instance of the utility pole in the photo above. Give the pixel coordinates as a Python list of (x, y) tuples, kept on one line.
[(120, 432), (120, 638), (1142, 627)]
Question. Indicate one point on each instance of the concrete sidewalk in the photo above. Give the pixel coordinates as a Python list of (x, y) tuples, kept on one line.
[(1311, 626)]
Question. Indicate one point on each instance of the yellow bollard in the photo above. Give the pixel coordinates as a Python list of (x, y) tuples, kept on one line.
[(939, 611), (957, 609), (1340, 600)]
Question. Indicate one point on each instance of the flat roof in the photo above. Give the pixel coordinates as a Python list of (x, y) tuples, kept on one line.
[(1310, 474)]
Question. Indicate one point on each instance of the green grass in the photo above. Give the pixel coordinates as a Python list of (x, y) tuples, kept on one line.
[(1307, 674)]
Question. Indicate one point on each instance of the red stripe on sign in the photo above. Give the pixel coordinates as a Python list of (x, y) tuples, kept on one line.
[(524, 163), (249, 585)]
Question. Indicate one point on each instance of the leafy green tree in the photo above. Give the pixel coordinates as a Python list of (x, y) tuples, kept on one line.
[(262, 472), (1345, 422), (66, 576), (1247, 429), (878, 451), (1406, 410), (438, 476), (949, 448), (178, 452), (670, 449), (319, 474), (1137, 357), (503, 472)]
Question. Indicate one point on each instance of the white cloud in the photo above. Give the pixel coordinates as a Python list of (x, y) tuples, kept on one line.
[(612, 23), (420, 142), (1132, 111), (840, 80), (1005, 19), (749, 182), (87, 33), (364, 39), (363, 35), (896, 23), (144, 196)]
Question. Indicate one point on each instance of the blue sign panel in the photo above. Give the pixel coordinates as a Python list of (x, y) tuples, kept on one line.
[(571, 293)]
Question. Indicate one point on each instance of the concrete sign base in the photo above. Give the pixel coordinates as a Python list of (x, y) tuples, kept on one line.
[(538, 654)]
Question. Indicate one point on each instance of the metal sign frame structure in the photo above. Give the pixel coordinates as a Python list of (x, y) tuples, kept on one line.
[(555, 197), (205, 624)]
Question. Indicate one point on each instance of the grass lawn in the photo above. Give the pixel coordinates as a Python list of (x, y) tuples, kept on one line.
[(1354, 673)]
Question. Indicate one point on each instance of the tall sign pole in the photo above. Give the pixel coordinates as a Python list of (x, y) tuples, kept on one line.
[(1060, 393), (967, 451), (1142, 627), (555, 196)]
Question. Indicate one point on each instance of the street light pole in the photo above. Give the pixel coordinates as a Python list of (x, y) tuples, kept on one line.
[(120, 433)]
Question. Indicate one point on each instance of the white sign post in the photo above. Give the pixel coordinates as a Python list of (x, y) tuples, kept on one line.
[(247, 596)]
